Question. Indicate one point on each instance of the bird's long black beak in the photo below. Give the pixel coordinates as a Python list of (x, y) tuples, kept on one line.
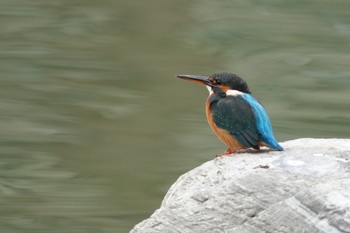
[(196, 78)]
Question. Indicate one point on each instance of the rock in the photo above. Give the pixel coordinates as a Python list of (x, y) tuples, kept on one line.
[(305, 188)]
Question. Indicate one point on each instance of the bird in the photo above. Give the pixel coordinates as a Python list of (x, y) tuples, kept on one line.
[(235, 116)]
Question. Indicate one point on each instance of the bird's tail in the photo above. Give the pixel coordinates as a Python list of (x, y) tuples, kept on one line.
[(274, 144)]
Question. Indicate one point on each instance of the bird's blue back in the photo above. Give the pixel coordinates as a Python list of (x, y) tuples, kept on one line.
[(263, 123), (244, 118)]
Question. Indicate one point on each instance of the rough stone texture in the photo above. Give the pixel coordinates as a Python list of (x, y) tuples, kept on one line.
[(306, 189)]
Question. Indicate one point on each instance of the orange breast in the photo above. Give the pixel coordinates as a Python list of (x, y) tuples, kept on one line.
[(224, 136)]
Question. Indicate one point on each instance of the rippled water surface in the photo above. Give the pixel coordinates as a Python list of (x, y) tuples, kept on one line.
[(95, 127)]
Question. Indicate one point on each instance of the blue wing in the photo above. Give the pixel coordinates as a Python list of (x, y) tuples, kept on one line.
[(263, 123), (236, 116), (245, 119)]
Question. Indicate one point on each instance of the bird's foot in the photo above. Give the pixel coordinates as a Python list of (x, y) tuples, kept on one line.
[(226, 153)]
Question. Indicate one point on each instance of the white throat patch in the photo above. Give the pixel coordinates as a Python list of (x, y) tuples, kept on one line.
[(228, 92), (209, 89)]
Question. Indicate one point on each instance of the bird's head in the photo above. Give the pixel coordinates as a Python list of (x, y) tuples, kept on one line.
[(220, 83)]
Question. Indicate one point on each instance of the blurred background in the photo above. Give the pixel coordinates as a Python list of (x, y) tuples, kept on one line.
[(94, 125)]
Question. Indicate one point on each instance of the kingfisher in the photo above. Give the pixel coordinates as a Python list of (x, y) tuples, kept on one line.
[(235, 116)]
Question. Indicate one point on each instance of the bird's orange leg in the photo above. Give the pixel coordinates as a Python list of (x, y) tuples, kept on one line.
[(226, 153)]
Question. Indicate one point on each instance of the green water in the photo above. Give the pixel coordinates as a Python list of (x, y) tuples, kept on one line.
[(95, 127)]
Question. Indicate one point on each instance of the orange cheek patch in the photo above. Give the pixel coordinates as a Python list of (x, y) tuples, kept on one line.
[(224, 88)]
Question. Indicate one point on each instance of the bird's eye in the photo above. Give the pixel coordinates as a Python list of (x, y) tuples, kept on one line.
[(214, 81)]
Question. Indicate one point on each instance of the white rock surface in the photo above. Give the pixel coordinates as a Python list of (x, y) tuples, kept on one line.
[(305, 189)]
